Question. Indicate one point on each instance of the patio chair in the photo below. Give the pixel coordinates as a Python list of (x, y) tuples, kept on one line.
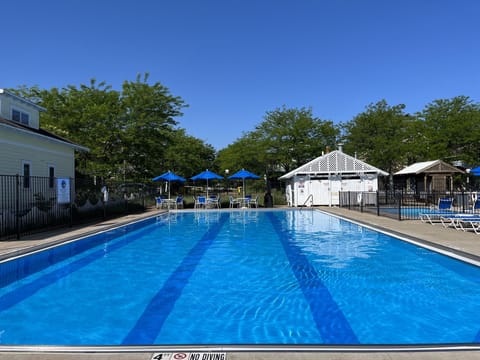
[(213, 201), (200, 202), (253, 202), (444, 208), (158, 202), (233, 202), (179, 202)]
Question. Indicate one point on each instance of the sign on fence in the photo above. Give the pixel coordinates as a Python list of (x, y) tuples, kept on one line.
[(63, 191)]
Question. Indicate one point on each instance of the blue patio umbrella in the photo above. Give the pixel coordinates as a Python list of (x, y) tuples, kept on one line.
[(475, 171), (207, 175), (244, 174), (169, 176)]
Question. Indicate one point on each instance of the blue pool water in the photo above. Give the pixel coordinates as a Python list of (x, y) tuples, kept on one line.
[(409, 212), (240, 277)]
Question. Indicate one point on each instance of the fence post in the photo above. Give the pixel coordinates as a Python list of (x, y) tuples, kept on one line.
[(17, 205), (400, 198), (72, 196), (378, 203)]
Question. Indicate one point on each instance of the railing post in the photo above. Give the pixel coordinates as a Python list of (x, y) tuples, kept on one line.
[(400, 198), (378, 203), (17, 205), (72, 196)]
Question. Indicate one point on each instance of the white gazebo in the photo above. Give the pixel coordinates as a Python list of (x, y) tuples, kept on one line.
[(320, 181)]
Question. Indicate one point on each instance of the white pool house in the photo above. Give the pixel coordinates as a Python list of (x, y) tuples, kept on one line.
[(320, 181)]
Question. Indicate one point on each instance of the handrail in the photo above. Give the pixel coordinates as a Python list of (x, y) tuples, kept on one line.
[(308, 198)]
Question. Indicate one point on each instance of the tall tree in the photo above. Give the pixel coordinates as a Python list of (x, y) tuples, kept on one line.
[(148, 121), (187, 155), (381, 135), (126, 131), (451, 129), (292, 137)]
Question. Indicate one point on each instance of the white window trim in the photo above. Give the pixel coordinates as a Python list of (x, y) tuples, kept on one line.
[(21, 111), (49, 166), (29, 163)]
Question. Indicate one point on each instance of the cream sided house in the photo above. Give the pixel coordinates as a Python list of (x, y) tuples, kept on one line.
[(28, 150), (37, 168)]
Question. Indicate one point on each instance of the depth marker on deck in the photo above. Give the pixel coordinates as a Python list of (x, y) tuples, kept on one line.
[(190, 356)]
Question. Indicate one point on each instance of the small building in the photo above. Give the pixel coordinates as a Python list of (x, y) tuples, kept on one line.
[(427, 176), (320, 181), (26, 148), (28, 151)]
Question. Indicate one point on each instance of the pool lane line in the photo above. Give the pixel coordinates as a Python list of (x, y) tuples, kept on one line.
[(321, 303), (150, 323), (23, 292)]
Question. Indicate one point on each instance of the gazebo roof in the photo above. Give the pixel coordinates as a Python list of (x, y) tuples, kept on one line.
[(335, 162), (429, 167)]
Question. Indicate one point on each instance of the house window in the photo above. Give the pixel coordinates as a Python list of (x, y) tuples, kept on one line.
[(20, 116), (51, 177), (26, 175)]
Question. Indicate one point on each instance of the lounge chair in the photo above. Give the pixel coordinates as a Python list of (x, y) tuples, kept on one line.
[(470, 224), (444, 208), (456, 220), (476, 206)]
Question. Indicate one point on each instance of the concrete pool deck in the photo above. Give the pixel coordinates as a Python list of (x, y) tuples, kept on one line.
[(464, 244)]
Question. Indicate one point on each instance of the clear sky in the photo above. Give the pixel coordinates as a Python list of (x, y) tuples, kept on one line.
[(234, 60)]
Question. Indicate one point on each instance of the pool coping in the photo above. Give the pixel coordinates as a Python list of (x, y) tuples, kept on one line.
[(242, 349)]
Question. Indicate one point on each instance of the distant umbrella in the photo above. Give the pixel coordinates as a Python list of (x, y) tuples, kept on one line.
[(475, 171), (207, 175), (244, 174), (169, 176)]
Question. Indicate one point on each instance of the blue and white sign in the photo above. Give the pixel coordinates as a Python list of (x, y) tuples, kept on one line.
[(63, 191)]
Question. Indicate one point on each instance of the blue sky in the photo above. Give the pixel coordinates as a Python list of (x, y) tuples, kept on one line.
[(234, 60)]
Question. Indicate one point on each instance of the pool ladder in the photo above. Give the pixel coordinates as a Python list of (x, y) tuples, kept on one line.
[(310, 197)]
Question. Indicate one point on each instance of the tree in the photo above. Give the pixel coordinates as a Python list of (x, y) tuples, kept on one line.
[(451, 129), (292, 137), (127, 132), (381, 135), (187, 155), (148, 113)]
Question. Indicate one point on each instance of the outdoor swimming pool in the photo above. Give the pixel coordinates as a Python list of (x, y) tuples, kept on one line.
[(239, 277)]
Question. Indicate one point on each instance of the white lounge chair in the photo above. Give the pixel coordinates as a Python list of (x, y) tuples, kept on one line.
[(444, 208)]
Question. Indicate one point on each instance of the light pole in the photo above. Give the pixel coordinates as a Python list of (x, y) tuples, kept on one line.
[(226, 177)]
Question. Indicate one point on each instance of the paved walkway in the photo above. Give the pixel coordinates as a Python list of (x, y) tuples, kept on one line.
[(461, 243)]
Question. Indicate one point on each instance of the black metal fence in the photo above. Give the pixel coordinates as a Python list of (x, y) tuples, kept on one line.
[(29, 204), (403, 205)]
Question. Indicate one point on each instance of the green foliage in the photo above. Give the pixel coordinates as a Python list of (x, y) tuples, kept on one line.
[(285, 139), (451, 129), (381, 135), (126, 131), (132, 133), (187, 155)]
